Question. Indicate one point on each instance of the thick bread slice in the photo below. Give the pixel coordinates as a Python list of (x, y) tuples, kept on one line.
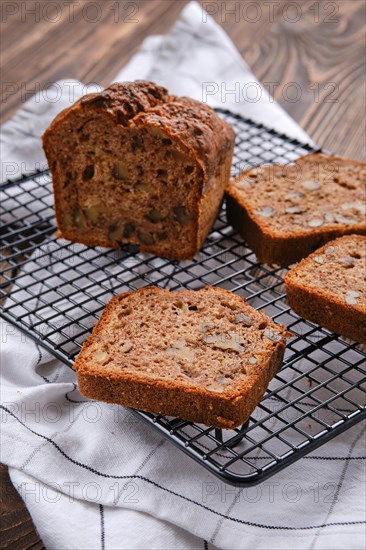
[(328, 287), (286, 212), (205, 356), (136, 165)]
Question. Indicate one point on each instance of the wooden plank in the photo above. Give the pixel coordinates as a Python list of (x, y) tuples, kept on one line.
[(312, 58), (75, 46), (323, 54), (16, 529)]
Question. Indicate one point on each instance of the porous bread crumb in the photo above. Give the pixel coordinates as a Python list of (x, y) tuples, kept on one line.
[(328, 287), (285, 212), (193, 355)]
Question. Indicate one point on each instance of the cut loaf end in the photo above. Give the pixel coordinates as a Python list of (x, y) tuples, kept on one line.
[(136, 165)]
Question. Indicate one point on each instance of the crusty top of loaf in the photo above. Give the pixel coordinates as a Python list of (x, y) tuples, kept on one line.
[(126, 100), (335, 271), (318, 193), (135, 104)]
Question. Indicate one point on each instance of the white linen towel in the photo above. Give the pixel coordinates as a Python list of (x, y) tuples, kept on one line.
[(93, 475)]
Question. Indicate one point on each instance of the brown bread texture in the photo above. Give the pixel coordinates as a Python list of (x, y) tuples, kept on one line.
[(286, 212), (329, 288), (133, 164), (204, 356)]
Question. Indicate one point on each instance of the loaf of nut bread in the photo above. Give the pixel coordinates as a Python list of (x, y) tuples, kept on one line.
[(204, 356), (133, 164), (286, 212), (328, 287)]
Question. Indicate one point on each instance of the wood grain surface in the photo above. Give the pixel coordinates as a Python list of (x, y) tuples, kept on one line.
[(16, 530), (310, 55)]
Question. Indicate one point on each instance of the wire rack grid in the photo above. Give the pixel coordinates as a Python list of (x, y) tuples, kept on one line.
[(54, 291)]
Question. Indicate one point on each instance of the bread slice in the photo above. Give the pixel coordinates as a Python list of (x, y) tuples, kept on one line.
[(286, 212), (204, 356), (328, 287), (133, 164)]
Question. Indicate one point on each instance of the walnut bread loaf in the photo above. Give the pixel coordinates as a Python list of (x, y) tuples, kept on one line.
[(286, 212), (328, 287), (133, 164), (204, 356)]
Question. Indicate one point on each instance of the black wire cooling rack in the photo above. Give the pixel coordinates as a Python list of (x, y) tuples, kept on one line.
[(55, 291)]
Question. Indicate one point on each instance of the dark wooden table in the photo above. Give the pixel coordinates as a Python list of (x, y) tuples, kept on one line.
[(315, 51)]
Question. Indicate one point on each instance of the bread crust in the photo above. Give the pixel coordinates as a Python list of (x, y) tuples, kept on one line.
[(326, 303), (278, 245), (169, 397), (194, 129)]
